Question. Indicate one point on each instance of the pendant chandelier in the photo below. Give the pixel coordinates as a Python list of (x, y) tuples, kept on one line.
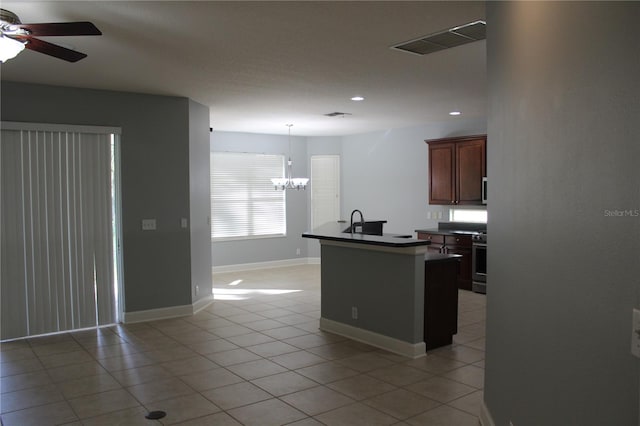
[(289, 182)]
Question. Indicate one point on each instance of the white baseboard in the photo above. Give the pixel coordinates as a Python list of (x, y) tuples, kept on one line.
[(485, 416), (266, 265), (168, 312), (202, 303), (400, 347)]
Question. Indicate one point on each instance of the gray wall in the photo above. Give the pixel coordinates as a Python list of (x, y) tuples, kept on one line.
[(267, 249), (324, 145), (155, 160), (563, 154), (385, 174)]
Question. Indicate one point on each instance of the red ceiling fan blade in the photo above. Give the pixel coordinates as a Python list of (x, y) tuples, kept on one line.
[(61, 29), (54, 50)]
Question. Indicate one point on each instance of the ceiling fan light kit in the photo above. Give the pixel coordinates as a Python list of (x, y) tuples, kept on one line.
[(16, 36), (9, 48)]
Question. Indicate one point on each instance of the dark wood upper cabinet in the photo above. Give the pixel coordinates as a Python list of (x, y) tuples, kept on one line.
[(456, 168), (442, 165)]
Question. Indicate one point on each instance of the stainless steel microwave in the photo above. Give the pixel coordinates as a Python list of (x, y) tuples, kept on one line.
[(484, 190)]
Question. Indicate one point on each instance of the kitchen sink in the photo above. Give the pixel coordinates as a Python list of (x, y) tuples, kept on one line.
[(367, 228)]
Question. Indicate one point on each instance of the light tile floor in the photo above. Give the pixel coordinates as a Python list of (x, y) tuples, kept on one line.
[(254, 357)]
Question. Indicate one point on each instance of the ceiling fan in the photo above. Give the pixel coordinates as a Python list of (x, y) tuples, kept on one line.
[(15, 36)]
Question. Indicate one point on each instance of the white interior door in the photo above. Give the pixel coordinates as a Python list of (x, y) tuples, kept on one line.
[(325, 189)]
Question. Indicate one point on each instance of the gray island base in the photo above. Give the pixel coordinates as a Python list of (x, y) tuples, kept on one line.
[(373, 289)]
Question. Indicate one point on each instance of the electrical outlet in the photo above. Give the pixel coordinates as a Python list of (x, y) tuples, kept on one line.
[(354, 312), (429, 215), (635, 333), (184, 222), (298, 252), (197, 289)]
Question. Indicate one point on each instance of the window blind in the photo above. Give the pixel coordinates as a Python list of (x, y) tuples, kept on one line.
[(244, 203), (57, 231)]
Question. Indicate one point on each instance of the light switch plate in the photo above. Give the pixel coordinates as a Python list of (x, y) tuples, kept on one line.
[(635, 334), (183, 222), (148, 224)]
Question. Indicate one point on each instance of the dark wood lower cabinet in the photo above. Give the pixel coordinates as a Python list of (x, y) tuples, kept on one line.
[(461, 245), (440, 299), (453, 244)]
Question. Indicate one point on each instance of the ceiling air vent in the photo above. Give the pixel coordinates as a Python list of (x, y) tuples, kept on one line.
[(338, 114), (446, 39)]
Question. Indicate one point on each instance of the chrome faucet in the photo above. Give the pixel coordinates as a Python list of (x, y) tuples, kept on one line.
[(361, 220)]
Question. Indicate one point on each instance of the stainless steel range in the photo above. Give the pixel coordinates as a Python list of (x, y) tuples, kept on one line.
[(479, 262)]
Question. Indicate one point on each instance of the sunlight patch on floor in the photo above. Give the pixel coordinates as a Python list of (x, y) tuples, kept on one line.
[(246, 293)]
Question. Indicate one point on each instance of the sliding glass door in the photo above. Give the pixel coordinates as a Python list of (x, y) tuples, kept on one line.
[(59, 250)]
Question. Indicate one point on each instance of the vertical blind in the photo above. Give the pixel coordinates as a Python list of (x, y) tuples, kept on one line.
[(244, 203), (325, 189), (57, 231)]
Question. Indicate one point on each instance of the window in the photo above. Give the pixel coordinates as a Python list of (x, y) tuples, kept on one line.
[(243, 201), (468, 215)]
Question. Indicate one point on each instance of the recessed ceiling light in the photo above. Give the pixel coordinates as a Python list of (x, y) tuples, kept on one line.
[(455, 113), (357, 98)]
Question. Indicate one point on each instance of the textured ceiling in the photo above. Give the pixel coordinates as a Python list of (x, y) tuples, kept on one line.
[(261, 65)]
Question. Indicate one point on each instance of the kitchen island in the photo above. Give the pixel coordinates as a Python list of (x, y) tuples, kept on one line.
[(373, 288)]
